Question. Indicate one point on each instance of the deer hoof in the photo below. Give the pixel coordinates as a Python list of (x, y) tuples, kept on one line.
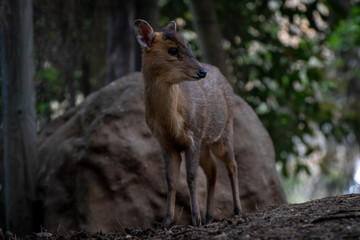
[(196, 221), (208, 219), (237, 212), (166, 222)]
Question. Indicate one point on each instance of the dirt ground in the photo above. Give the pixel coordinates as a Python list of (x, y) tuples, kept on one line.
[(328, 218)]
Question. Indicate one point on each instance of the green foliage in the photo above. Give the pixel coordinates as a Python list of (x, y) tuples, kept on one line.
[(50, 87), (344, 40), (346, 35), (281, 63)]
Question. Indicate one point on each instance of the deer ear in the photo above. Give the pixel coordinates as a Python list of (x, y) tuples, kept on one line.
[(144, 33), (171, 26)]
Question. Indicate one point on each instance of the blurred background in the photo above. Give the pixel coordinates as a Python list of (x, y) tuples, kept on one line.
[(296, 62)]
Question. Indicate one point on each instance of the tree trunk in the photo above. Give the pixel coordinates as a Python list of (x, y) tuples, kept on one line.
[(85, 79), (99, 36), (121, 46), (207, 27), (18, 92), (123, 53), (70, 83)]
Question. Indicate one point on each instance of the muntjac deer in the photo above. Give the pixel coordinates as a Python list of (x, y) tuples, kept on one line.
[(187, 114)]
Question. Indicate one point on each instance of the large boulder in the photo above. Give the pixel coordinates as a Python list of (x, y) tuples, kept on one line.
[(101, 169)]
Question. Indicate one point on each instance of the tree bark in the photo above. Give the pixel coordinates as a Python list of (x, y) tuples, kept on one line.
[(99, 36), (19, 116), (121, 47), (123, 53), (85, 79), (207, 28)]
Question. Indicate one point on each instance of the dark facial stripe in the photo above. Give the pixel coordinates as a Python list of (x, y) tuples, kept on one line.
[(190, 50), (169, 35)]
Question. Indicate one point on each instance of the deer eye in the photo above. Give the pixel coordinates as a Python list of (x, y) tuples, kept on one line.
[(173, 51)]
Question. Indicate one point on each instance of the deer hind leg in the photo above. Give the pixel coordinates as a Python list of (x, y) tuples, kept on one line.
[(208, 164), (172, 169), (224, 151)]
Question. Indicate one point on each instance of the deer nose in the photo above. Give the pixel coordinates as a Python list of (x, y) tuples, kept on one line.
[(201, 73)]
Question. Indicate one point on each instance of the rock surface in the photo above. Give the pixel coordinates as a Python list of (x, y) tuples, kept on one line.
[(101, 169)]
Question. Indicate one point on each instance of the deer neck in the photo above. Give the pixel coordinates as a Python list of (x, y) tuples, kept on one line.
[(161, 99), (164, 111)]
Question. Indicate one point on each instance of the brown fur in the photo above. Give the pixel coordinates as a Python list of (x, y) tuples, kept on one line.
[(187, 115)]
